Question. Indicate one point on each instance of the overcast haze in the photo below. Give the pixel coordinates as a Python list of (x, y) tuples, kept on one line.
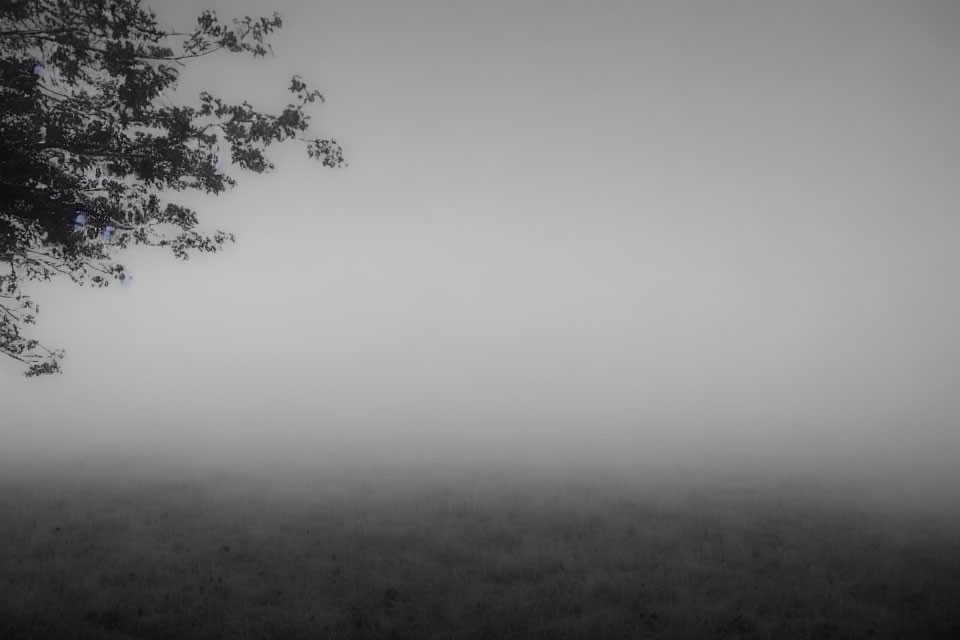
[(621, 230)]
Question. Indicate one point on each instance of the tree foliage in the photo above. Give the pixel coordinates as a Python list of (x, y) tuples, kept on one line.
[(91, 145)]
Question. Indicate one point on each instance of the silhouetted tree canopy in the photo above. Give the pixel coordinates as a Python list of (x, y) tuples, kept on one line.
[(91, 146)]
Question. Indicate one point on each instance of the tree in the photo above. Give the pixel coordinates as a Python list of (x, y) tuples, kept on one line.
[(91, 145)]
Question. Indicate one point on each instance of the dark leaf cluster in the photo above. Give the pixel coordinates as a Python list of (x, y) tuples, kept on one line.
[(91, 144)]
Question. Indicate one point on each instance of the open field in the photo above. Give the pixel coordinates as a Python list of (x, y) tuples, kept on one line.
[(97, 553)]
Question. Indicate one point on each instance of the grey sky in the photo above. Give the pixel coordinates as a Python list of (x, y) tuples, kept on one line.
[(680, 227)]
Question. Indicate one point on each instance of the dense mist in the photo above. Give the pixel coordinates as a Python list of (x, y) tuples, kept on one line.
[(675, 235)]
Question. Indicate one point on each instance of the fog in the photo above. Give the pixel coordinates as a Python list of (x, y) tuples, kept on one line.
[(617, 235)]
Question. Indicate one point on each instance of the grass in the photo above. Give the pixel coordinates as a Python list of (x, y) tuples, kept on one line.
[(140, 554)]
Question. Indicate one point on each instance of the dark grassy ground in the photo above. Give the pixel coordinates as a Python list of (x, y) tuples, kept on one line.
[(128, 554)]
